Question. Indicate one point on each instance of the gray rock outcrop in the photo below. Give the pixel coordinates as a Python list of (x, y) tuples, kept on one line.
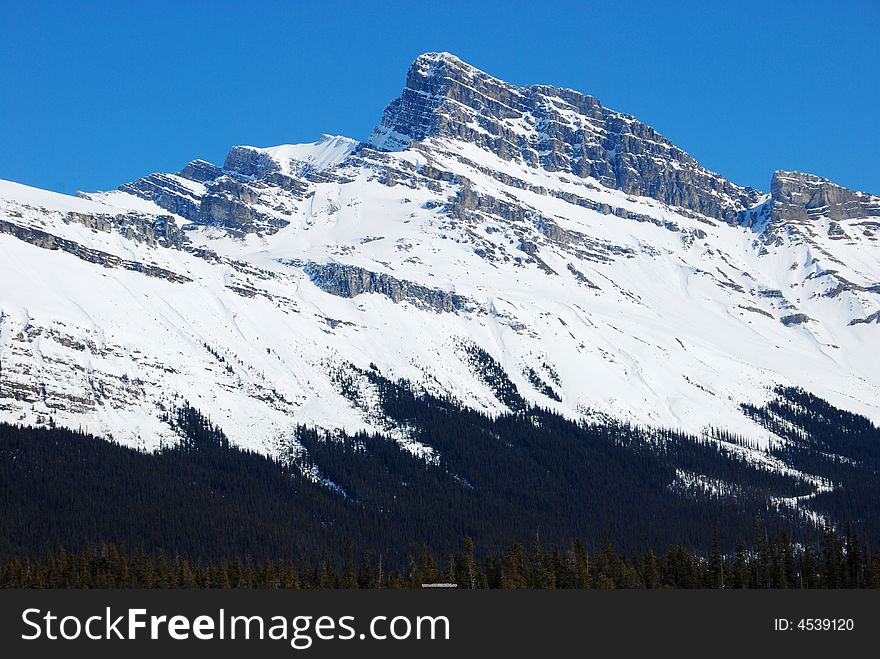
[(200, 171), (802, 197), (166, 192), (349, 281), (46, 240), (557, 129)]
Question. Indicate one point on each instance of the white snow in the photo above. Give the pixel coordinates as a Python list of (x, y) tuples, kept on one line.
[(675, 330), (327, 152), (36, 197)]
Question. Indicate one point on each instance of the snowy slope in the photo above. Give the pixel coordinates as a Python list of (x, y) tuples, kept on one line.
[(244, 290), (298, 159)]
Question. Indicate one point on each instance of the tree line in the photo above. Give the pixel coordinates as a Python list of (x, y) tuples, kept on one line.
[(833, 561)]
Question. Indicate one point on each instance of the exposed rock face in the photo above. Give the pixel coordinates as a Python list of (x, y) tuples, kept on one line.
[(49, 241), (350, 281), (873, 318), (795, 319), (166, 192), (200, 171), (557, 129), (225, 200), (165, 232), (801, 197), (235, 214), (153, 230), (94, 222), (246, 161), (622, 296)]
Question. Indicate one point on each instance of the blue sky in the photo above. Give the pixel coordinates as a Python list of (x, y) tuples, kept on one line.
[(93, 94)]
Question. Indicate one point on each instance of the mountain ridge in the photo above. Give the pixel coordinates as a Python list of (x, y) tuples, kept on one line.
[(606, 272), (558, 129)]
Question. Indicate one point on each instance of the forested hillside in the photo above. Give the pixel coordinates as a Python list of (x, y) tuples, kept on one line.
[(496, 480)]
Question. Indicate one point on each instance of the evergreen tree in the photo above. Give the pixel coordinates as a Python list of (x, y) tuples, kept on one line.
[(469, 573), (831, 569), (716, 561), (349, 577), (651, 571)]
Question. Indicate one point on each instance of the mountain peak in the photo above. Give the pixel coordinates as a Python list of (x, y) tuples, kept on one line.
[(518, 235), (435, 83), (426, 59), (434, 63), (559, 130)]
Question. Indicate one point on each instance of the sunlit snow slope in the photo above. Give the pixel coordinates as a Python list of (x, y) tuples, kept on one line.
[(602, 267)]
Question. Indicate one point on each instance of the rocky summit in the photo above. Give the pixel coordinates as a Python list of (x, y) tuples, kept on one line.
[(559, 130), (495, 245)]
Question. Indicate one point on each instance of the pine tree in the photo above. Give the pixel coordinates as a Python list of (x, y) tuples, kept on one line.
[(809, 570), (853, 558), (468, 576), (832, 567), (539, 575), (349, 577), (651, 571), (716, 561), (788, 560), (513, 568)]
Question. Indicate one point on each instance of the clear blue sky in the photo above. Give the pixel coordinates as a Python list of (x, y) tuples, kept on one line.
[(93, 94)]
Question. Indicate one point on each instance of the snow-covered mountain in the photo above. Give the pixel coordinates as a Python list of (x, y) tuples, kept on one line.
[(606, 271)]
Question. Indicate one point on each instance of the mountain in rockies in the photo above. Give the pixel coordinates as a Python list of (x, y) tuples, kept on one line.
[(494, 251)]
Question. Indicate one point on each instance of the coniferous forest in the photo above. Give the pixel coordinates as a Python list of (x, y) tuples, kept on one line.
[(524, 500), (767, 562)]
